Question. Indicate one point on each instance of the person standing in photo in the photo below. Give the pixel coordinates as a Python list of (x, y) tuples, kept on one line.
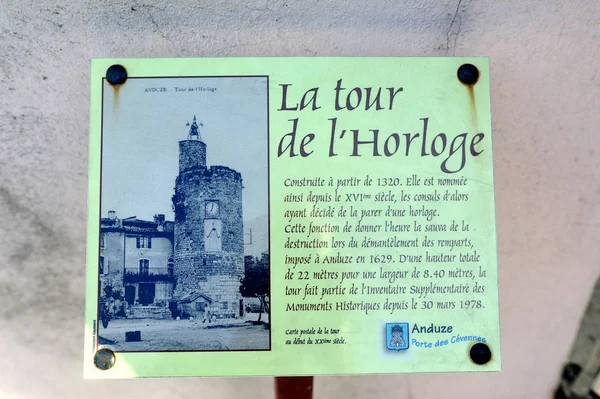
[(206, 313)]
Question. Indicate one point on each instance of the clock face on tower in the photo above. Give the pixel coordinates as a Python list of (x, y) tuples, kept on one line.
[(211, 209)]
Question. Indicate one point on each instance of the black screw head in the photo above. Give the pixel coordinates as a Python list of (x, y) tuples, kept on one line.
[(468, 74), (104, 359), (116, 74), (480, 353)]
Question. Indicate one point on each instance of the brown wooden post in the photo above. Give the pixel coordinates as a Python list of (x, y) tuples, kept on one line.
[(293, 387)]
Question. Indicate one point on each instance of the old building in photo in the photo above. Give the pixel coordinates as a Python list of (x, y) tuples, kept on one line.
[(209, 231), (163, 269), (136, 264)]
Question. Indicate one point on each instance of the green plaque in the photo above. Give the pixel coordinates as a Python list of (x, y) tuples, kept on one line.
[(291, 216)]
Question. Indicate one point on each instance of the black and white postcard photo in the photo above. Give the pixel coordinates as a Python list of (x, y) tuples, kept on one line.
[(184, 230)]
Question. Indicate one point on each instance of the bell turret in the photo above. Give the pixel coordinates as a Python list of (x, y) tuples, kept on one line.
[(194, 133)]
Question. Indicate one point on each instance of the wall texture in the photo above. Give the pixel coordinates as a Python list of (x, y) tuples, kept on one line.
[(545, 101)]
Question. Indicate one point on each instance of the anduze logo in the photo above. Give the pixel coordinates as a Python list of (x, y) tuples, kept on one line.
[(396, 336)]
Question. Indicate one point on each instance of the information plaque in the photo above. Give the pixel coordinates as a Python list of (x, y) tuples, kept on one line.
[(290, 216)]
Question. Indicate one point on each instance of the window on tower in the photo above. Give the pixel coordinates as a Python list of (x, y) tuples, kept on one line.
[(101, 265), (212, 235)]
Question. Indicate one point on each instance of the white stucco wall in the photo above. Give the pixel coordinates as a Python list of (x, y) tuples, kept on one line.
[(546, 112)]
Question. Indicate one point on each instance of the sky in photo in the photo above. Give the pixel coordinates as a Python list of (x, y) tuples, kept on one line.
[(142, 127)]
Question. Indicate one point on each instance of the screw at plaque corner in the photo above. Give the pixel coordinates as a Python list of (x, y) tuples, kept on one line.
[(116, 74), (480, 353), (468, 74), (104, 359)]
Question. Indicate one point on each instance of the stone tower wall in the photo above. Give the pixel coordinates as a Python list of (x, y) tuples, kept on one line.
[(194, 267), (192, 155)]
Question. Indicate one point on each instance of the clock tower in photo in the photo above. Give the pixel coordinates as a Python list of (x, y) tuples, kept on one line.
[(208, 233)]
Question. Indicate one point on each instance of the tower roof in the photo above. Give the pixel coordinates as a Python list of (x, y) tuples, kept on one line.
[(194, 133)]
